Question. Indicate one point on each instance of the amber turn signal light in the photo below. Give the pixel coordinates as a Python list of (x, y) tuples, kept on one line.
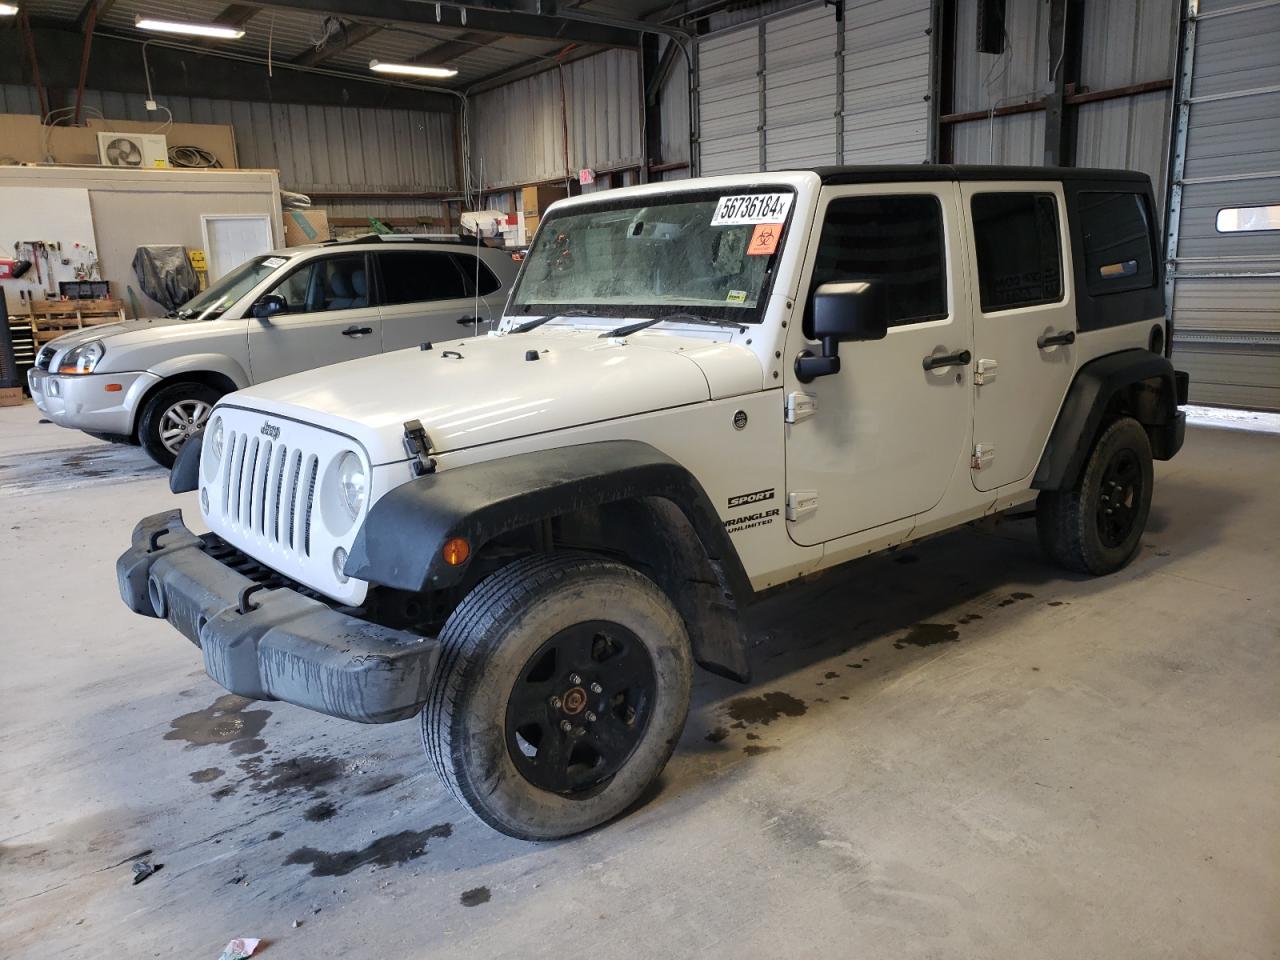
[(456, 551), (113, 387)]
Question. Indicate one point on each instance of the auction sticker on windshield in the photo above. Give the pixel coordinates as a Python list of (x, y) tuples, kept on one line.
[(751, 208), (273, 262)]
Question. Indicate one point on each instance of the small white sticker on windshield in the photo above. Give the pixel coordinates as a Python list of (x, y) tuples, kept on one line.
[(274, 262), (751, 208)]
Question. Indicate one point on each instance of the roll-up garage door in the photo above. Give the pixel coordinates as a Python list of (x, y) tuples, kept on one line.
[(1224, 219), (803, 87)]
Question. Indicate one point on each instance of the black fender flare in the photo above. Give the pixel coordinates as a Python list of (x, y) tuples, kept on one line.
[(1087, 401), (184, 475), (401, 541)]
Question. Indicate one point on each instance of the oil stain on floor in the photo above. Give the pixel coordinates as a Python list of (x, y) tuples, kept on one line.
[(391, 850), (765, 708), (927, 635), (225, 721), (68, 469), (474, 897)]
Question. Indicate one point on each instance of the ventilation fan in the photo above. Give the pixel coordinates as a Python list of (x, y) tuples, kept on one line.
[(132, 150)]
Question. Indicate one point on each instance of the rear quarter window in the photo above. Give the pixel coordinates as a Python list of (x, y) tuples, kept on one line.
[(1115, 229)]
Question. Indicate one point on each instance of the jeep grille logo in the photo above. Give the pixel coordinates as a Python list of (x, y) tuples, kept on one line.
[(269, 429)]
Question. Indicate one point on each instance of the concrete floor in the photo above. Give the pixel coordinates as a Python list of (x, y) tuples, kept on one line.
[(951, 752)]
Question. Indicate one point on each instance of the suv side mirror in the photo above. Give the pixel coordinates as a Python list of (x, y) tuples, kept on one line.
[(841, 311), (269, 305)]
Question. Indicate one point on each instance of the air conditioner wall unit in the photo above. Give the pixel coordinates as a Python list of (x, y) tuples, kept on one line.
[(116, 149)]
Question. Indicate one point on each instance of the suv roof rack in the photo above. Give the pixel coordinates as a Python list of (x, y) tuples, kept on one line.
[(400, 238)]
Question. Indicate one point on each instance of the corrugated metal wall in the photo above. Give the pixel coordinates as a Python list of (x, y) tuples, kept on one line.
[(1226, 285), (1123, 43), (517, 130), (673, 105), (799, 88)]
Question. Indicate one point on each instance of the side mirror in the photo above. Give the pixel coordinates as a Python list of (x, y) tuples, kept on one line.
[(841, 311), (269, 305)]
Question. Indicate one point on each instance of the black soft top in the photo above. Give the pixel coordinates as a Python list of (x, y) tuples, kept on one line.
[(899, 172)]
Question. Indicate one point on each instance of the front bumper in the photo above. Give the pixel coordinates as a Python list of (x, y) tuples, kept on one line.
[(269, 642), (84, 403)]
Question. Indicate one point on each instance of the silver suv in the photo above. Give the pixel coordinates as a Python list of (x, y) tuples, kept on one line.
[(154, 381)]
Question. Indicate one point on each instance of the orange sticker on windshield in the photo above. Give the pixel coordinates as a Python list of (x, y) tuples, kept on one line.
[(764, 239)]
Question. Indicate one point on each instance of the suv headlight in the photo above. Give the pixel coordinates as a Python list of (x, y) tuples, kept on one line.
[(353, 483), (211, 453), (82, 359)]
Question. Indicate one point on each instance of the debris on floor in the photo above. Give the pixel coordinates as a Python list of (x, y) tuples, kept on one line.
[(239, 948), (143, 869)]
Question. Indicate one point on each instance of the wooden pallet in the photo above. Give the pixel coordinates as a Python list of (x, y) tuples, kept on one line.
[(52, 318)]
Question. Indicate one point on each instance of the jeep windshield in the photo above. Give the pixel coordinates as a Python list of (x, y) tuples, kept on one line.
[(212, 303), (710, 254)]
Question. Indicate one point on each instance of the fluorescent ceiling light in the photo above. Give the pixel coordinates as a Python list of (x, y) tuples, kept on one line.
[(8, 10), (411, 69), (219, 30)]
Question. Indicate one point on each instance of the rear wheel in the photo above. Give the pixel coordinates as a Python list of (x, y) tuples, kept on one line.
[(1096, 527), (171, 417), (562, 688)]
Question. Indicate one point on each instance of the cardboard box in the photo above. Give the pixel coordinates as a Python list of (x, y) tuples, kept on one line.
[(535, 200), (11, 397), (305, 226)]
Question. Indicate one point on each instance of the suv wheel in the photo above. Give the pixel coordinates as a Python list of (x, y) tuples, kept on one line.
[(1096, 527), (172, 416), (562, 688)]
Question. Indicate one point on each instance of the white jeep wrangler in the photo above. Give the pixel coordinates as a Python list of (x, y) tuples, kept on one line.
[(698, 391)]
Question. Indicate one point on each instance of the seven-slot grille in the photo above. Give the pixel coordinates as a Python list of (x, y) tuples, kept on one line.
[(269, 490)]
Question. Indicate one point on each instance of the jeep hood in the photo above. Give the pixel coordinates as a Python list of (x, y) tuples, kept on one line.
[(487, 389)]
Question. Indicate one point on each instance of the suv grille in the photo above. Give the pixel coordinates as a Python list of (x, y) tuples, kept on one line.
[(268, 491), (45, 358)]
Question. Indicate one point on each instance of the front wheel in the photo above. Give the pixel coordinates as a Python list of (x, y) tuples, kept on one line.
[(562, 688), (1096, 526), (171, 417)]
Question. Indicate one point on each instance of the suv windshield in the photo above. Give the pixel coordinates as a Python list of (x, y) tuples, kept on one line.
[(712, 254), (209, 304)]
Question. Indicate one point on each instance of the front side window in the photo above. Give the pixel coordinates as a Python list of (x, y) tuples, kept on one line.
[(326, 283), (420, 276), (709, 253), (895, 241), (1018, 248), (1119, 250), (211, 303)]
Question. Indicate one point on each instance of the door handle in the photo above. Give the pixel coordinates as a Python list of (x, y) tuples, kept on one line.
[(1056, 339), (948, 360), (468, 320), (357, 331)]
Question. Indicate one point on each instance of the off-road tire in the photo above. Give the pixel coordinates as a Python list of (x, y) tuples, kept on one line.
[(1069, 521), (150, 423), (486, 646)]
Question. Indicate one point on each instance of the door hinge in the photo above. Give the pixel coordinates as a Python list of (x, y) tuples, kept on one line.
[(801, 503), (800, 406), (985, 372), (983, 454)]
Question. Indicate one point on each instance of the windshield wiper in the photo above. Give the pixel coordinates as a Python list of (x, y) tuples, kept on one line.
[(533, 324), (630, 328)]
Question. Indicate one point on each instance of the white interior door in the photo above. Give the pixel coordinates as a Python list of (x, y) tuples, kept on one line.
[(231, 239)]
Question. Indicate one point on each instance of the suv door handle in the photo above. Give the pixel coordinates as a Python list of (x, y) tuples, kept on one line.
[(357, 331), (466, 321), (1056, 339), (948, 360)]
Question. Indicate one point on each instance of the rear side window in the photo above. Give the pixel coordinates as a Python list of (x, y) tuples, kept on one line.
[(420, 276), (1019, 250), (473, 269), (1118, 251), (897, 242)]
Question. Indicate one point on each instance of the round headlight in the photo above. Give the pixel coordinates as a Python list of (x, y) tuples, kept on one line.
[(352, 482), (213, 444)]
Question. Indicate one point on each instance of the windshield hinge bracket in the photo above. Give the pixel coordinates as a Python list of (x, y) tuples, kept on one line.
[(418, 446)]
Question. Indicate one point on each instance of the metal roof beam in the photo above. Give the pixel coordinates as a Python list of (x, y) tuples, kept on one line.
[(354, 33), (503, 21)]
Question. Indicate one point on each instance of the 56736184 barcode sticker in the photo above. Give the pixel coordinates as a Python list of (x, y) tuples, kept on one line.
[(751, 208)]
